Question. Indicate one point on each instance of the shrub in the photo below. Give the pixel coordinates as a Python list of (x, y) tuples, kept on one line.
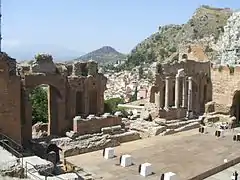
[(111, 105)]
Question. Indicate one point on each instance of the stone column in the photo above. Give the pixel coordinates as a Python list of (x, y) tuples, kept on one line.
[(189, 94), (157, 99), (177, 91), (166, 106), (184, 93)]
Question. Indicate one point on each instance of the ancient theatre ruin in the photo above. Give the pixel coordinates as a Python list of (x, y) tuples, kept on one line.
[(74, 90)]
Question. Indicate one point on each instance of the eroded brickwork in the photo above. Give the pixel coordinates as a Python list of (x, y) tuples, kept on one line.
[(226, 83), (182, 89), (93, 125), (10, 98), (70, 95)]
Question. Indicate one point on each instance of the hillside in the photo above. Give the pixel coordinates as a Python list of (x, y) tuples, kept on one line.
[(204, 29), (104, 55)]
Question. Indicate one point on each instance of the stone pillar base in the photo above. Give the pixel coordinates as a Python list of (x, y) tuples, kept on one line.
[(189, 114)]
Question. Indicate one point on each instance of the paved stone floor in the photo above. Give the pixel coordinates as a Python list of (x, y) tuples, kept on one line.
[(5, 156), (226, 174), (187, 154)]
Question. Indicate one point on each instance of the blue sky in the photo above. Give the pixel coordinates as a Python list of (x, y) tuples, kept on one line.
[(85, 25)]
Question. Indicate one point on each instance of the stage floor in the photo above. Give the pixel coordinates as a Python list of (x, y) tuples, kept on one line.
[(187, 154)]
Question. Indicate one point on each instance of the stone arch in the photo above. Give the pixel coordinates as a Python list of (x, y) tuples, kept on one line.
[(54, 96), (235, 108), (56, 104)]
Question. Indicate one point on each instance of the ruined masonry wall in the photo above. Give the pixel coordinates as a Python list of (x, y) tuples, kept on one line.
[(10, 96), (225, 81), (94, 125)]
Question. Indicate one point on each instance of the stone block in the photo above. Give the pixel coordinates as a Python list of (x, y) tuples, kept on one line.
[(108, 153), (203, 130), (52, 157), (106, 115), (219, 133), (71, 134), (91, 116), (210, 107), (77, 118), (126, 160), (145, 169), (118, 114), (170, 176)]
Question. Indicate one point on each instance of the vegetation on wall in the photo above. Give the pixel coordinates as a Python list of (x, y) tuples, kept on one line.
[(39, 100)]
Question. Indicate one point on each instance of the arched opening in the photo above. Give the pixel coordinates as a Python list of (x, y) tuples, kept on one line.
[(93, 102), (44, 110), (79, 103), (235, 108)]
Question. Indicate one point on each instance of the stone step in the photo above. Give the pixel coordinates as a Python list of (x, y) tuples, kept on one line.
[(189, 126), (181, 123)]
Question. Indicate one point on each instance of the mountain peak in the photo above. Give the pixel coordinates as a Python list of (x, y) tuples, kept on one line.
[(103, 55)]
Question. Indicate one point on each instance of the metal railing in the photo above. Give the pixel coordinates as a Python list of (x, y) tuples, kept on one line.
[(7, 146), (35, 170), (11, 143)]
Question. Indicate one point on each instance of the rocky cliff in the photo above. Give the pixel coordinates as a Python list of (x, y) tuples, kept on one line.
[(203, 29), (229, 42)]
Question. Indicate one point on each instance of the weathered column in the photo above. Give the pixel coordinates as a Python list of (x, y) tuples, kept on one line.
[(189, 94), (157, 99), (166, 93), (177, 91), (184, 93)]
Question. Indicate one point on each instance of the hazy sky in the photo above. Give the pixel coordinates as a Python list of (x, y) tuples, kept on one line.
[(85, 25)]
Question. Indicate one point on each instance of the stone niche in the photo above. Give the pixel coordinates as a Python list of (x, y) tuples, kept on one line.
[(43, 64)]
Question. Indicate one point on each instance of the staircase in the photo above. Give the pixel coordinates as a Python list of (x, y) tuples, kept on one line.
[(175, 126), (11, 146)]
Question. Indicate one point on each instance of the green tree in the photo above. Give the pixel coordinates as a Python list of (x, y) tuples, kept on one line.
[(111, 105), (39, 101)]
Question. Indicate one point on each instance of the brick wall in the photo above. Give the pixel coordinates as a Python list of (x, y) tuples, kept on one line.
[(94, 125), (10, 96), (224, 85)]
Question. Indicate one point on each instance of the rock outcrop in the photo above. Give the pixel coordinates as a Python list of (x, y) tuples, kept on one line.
[(230, 41)]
